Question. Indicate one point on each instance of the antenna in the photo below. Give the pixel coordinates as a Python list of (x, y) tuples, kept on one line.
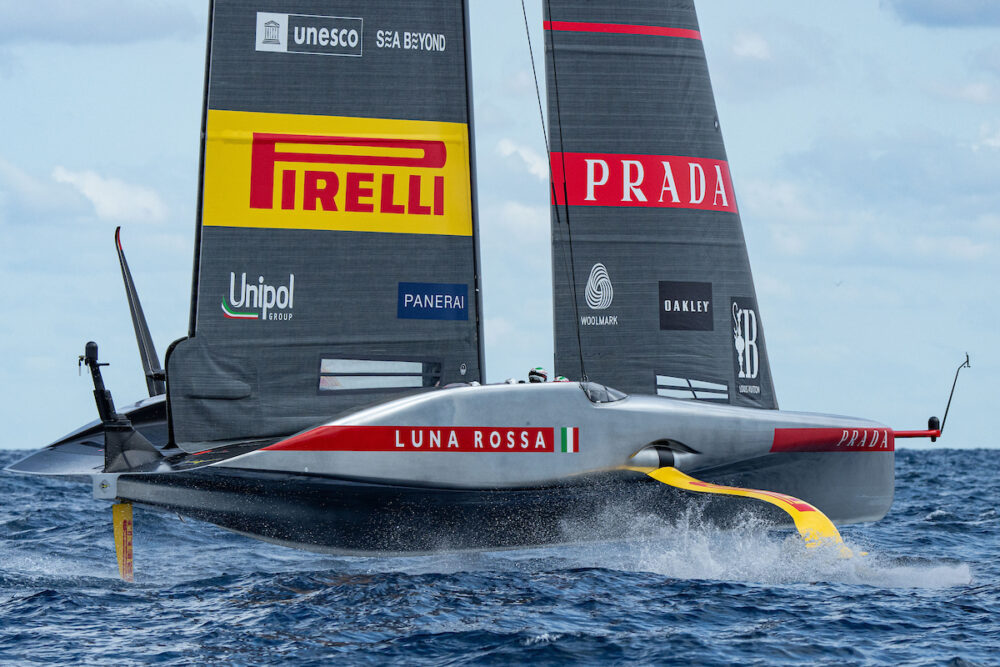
[(935, 427), (964, 364)]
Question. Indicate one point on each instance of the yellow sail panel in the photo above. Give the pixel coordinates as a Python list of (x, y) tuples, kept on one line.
[(287, 171)]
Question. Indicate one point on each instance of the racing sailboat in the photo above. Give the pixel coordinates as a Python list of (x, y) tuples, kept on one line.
[(329, 394)]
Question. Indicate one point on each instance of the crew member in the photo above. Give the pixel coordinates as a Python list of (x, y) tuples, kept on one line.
[(538, 374)]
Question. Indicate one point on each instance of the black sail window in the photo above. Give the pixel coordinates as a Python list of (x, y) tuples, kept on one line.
[(349, 375)]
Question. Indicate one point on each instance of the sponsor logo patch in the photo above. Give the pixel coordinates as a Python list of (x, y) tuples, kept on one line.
[(336, 173), (258, 299), (303, 33), (599, 293), (476, 439), (686, 306), (746, 353), (659, 181), (833, 440), (433, 301)]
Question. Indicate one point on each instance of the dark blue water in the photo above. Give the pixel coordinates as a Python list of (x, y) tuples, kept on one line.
[(927, 593)]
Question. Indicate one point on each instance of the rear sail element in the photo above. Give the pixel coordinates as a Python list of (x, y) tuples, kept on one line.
[(122, 516), (653, 290), (336, 258), (814, 527), (147, 351)]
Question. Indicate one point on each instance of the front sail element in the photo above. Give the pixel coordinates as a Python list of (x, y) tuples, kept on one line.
[(651, 276), (336, 262)]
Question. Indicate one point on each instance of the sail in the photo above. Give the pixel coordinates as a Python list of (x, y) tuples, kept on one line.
[(652, 286), (336, 259)]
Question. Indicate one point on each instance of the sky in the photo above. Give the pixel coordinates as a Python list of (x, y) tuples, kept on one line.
[(863, 138)]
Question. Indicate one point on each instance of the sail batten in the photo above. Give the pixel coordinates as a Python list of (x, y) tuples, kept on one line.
[(337, 219), (651, 274)]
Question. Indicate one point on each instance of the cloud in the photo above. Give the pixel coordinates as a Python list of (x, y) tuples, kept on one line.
[(986, 60), (751, 46), (961, 248), (924, 176), (989, 138), (115, 200), (537, 166), (946, 13), (760, 60), (95, 21), (977, 92), (26, 196)]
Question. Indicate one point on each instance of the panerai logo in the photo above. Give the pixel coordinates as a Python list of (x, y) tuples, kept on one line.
[(745, 346), (259, 300), (599, 294)]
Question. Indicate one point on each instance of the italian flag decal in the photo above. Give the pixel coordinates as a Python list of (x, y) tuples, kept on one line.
[(570, 440), (233, 315)]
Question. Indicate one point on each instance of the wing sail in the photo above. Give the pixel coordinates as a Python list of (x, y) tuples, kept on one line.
[(337, 223), (650, 267)]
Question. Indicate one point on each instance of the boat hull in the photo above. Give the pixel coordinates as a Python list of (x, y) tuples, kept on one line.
[(363, 518)]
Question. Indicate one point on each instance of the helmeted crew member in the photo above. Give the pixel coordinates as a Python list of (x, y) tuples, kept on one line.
[(538, 374)]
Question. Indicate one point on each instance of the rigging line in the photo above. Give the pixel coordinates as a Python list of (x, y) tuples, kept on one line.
[(569, 232), (538, 94)]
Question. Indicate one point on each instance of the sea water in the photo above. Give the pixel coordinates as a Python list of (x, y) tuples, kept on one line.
[(927, 592)]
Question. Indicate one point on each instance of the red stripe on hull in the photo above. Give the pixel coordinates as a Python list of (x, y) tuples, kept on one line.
[(864, 439), (420, 438), (621, 28)]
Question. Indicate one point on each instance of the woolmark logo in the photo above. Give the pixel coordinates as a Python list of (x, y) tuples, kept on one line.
[(259, 300), (599, 290), (599, 294), (358, 189), (304, 33)]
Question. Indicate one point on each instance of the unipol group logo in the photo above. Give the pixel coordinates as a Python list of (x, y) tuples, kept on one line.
[(303, 33), (745, 346), (599, 294), (259, 300), (599, 290)]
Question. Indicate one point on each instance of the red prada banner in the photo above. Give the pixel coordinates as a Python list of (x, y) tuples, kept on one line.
[(661, 181)]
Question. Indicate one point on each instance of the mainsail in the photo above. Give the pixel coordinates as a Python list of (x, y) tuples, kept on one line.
[(336, 261), (652, 284)]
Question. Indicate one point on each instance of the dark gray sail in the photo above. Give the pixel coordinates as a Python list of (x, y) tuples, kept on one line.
[(652, 285), (336, 262)]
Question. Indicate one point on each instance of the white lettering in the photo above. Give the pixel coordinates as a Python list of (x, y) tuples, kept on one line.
[(697, 186), (630, 185), (591, 181), (720, 188), (668, 183)]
